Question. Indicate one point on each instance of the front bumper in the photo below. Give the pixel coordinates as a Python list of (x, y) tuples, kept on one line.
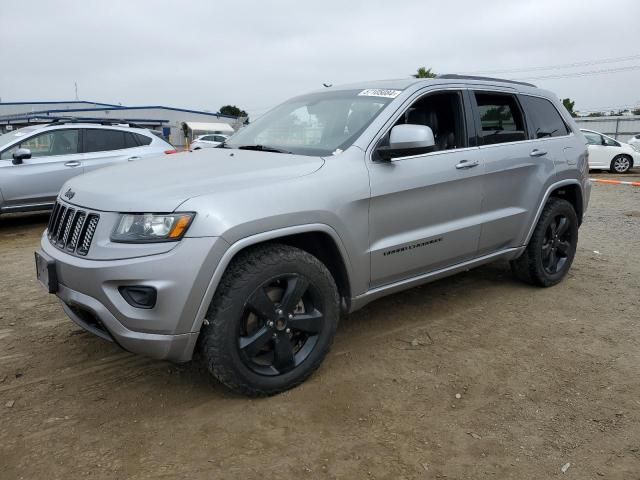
[(88, 290)]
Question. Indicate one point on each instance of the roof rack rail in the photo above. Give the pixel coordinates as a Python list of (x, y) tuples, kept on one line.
[(453, 76), (65, 120)]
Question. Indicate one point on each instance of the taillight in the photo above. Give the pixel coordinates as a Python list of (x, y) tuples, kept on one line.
[(169, 152)]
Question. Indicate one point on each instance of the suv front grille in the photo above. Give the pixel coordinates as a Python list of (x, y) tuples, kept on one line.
[(72, 229)]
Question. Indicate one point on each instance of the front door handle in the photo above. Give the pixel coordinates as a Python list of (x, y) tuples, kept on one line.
[(130, 159), (464, 164), (537, 153), (73, 163)]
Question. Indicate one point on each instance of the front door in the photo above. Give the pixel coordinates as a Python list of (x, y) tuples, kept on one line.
[(425, 209), (55, 158)]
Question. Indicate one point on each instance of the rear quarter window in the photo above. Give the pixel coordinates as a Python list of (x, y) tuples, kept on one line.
[(142, 139), (543, 117)]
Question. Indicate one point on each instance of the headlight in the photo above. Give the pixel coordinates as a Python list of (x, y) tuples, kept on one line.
[(636, 147), (151, 227)]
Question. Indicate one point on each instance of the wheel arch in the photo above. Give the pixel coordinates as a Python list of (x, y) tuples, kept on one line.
[(319, 240), (570, 190)]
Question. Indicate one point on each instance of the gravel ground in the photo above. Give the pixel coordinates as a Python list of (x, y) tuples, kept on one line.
[(475, 376)]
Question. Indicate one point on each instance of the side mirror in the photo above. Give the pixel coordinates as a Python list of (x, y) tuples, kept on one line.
[(21, 154), (405, 140)]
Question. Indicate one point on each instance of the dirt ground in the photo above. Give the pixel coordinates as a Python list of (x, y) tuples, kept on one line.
[(476, 376)]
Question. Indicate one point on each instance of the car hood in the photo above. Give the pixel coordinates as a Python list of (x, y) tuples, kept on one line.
[(161, 184)]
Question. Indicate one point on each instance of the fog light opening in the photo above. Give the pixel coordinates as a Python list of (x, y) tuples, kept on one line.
[(139, 296)]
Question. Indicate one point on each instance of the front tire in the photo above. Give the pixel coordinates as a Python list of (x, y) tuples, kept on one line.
[(620, 164), (271, 321), (552, 247)]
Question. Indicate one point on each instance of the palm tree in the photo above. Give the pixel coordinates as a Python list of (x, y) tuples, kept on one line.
[(424, 73)]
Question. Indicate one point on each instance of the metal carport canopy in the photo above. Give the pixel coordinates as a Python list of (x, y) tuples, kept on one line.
[(209, 127)]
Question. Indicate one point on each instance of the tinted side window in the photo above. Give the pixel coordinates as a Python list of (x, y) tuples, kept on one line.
[(48, 144), (142, 139), (500, 118), (130, 140), (545, 119), (103, 140)]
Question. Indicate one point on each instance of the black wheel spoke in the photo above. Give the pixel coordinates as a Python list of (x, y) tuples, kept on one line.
[(546, 250), (252, 344), (307, 322), (283, 359), (563, 247), (553, 260), (296, 287), (563, 224), (260, 304)]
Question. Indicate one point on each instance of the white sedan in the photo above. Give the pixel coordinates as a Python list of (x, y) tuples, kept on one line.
[(606, 153), (208, 141)]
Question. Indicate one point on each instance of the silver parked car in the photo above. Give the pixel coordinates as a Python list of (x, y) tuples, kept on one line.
[(36, 161), (250, 252)]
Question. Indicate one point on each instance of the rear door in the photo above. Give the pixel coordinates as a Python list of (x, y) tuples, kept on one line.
[(519, 153), (55, 158), (104, 147)]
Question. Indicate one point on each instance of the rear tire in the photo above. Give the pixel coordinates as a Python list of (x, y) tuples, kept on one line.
[(620, 164), (272, 320), (552, 248)]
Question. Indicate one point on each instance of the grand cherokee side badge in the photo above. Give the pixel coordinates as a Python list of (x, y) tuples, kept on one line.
[(69, 194)]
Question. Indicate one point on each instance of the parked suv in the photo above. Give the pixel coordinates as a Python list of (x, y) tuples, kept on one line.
[(36, 161), (208, 141), (250, 252)]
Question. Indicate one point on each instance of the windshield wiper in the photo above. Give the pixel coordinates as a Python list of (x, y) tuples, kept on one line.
[(261, 148)]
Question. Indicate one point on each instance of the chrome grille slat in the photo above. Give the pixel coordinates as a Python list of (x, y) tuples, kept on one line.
[(64, 227), (87, 235), (58, 225), (72, 229), (80, 219)]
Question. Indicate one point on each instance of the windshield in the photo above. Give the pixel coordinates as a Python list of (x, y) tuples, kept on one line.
[(315, 124), (9, 137)]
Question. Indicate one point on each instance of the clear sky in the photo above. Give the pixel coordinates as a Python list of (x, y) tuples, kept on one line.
[(204, 54)]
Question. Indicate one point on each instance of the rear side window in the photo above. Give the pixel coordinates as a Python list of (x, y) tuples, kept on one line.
[(544, 118), (501, 120), (104, 140), (130, 140), (142, 139)]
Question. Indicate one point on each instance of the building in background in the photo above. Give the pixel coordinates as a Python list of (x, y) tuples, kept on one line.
[(171, 122)]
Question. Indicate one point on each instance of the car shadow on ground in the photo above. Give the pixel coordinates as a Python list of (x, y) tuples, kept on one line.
[(17, 220)]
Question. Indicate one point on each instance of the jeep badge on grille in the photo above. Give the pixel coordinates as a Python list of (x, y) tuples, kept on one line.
[(69, 194)]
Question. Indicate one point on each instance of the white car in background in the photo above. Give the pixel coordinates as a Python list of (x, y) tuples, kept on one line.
[(606, 153), (208, 141)]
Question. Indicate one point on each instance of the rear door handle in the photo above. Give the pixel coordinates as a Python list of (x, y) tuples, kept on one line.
[(537, 153), (73, 163), (464, 164), (130, 159)]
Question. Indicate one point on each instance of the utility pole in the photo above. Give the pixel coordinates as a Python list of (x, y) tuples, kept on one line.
[(76, 85)]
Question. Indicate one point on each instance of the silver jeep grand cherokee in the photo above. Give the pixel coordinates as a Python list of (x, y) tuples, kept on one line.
[(250, 252)]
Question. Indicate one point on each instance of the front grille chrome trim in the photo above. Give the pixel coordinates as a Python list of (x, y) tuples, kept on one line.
[(72, 229)]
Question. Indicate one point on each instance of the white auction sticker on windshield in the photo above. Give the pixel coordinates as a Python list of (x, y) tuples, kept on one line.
[(379, 92)]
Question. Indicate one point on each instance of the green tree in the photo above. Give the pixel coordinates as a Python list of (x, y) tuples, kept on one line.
[(233, 111), (424, 73), (568, 104), (596, 114)]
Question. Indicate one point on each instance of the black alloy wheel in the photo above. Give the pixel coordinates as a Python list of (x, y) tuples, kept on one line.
[(280, 325)]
